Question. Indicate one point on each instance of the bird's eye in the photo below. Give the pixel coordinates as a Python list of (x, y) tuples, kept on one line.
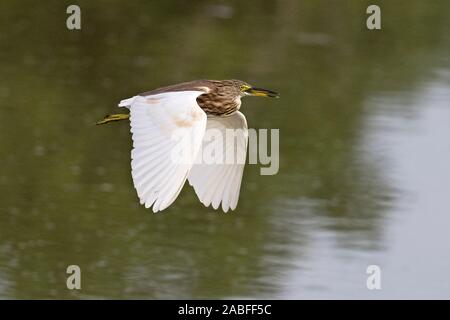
[(244, 87)]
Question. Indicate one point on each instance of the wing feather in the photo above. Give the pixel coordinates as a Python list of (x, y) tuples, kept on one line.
[(216, 183), (157, 176)]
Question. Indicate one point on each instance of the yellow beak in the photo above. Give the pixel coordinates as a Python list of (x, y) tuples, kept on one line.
[(258, 92)]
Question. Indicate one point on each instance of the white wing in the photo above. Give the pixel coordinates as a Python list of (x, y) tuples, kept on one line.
[(157, 124), (219, 182)]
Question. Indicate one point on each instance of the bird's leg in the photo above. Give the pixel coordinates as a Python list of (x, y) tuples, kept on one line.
[(113, 117)]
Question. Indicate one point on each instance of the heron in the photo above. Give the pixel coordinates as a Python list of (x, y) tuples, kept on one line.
[(190, 109)]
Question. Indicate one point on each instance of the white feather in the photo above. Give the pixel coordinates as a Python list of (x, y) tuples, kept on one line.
[(155, 120), (126, 102), (220, 182)]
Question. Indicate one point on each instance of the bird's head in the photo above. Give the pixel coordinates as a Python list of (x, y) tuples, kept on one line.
[(245, 89)]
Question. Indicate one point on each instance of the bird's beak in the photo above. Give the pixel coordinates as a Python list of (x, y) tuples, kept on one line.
[(258, 92)]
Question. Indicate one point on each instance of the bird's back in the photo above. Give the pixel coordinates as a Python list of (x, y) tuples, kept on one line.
[(196, 85), (219, 97)]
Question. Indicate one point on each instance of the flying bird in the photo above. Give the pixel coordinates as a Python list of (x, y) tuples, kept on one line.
[(189, 110)]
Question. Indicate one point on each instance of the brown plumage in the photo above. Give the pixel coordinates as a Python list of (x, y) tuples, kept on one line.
[(220, 98)]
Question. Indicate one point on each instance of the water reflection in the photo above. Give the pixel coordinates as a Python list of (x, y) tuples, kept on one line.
[(412, 249), (67, 194)]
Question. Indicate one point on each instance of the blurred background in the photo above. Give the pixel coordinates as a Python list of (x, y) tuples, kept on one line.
[(364, 150)]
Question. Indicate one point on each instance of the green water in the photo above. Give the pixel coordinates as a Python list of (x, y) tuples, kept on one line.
[(364, 150)]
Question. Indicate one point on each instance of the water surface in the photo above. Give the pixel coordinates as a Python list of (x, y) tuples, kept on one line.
[(364, 151)]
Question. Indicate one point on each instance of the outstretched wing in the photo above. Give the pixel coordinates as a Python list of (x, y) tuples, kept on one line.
[(217, 173), (167, 131)]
